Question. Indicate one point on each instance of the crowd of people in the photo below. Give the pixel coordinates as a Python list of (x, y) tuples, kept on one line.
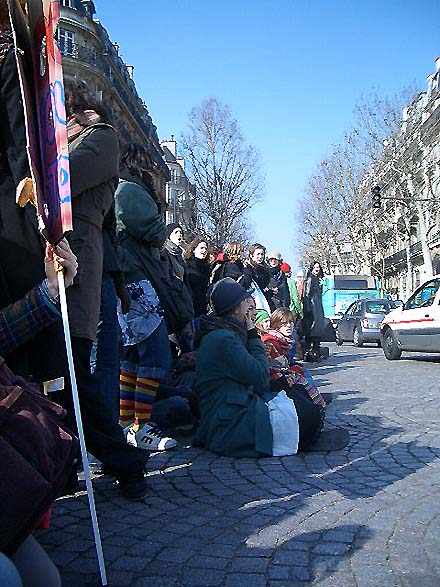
[(165, 337)]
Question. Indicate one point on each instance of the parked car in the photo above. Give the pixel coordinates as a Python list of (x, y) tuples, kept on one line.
[(415, 326), (361, 321)]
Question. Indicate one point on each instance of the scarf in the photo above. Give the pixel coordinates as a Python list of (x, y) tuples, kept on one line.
[(78, 122), (173, 249), (213, 322), (285, 341), (6, 43)]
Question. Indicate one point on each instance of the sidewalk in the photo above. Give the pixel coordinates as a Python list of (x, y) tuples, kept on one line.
[(365, 516)]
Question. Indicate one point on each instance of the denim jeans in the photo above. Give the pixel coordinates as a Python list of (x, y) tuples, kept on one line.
[(150, 358), (104, 359)]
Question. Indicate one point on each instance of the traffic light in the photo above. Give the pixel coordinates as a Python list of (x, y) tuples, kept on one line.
[(375, 200)]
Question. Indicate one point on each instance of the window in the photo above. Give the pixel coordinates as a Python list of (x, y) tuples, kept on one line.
[(68, 3), (379, 307), (424, 297), (67, 42)]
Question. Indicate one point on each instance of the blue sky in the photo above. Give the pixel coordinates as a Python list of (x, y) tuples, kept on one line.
[(291, 71)]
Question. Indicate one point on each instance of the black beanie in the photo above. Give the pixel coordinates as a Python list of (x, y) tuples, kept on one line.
[(171, 227), (226, 294)]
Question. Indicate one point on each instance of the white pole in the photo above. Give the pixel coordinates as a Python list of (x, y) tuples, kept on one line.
[(90, 495)]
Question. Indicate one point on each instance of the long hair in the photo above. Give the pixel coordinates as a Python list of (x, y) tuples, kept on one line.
[(139, 161), (233, 251), (79, 99), (321, 272), (279, 317), (189, 251), (252, 250)]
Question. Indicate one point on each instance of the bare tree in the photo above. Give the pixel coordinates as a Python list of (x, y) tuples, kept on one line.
[(225, 171)]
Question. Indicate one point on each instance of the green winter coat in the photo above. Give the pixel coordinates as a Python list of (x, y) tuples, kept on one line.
[(295, 303), (234, 419)]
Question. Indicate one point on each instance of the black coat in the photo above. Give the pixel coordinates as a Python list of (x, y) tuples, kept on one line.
[(198, 272), (313, 321), (282, 298), (21, 245)]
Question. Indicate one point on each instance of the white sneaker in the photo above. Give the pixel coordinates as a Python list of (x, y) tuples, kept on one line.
[(150, 437), (130, 435)]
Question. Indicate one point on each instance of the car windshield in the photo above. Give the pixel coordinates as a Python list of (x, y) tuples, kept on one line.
[(379, 307)]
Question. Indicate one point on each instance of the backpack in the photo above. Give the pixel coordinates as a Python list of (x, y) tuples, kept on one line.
[(37, 454)]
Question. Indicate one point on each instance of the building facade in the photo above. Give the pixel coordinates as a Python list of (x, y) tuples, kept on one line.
[(409, 175), (180, 192), (89, 55)]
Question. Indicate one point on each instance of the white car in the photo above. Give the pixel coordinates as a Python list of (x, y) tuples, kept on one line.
[(415, 326)]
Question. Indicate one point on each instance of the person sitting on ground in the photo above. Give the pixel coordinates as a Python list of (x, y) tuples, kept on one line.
[(231, 362), (278, 343), (233, 386), (146, 354), (198, 271), (262, 321)]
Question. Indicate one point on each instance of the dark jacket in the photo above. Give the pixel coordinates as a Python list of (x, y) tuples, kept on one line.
[(141, 230), (281, 299), (94, 170), (21, 245), (198, 272), (174, 253), (234, 419), (20, 242), (313, 320), (238, 271)]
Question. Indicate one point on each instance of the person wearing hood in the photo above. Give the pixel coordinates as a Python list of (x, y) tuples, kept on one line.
[(146, 354)]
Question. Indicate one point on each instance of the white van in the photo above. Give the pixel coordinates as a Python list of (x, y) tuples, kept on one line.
[(415, 326)]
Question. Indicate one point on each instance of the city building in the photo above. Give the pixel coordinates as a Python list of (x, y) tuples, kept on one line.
[(180, 192), (90, 55), (409, 176)]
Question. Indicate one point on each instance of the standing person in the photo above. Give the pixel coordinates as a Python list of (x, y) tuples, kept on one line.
[(313, 320), (295, 301), (146, 354), (21, 244), (280, 297), (233, 266), (94, 171), (173, 245), (198, 271), (172, 256), (262, 322), (258, 271), (105, 351)]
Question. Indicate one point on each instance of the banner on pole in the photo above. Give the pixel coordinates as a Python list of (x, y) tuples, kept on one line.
[(41, 79)]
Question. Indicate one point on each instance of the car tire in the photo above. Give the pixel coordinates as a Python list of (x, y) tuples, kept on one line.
[(390, 347), (357, 337), (339, 340)]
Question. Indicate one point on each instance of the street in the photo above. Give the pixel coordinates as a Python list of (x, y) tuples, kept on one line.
[(363, 516)]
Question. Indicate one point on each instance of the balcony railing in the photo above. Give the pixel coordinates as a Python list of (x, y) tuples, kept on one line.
[(91, 57)]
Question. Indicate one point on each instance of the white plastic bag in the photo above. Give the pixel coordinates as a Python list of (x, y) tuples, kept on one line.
[(285, 427)]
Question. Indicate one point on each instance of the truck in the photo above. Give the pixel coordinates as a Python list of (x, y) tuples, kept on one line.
[(339, 291)]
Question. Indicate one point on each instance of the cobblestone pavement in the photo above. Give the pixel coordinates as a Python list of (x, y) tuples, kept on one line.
[(365, 516)]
